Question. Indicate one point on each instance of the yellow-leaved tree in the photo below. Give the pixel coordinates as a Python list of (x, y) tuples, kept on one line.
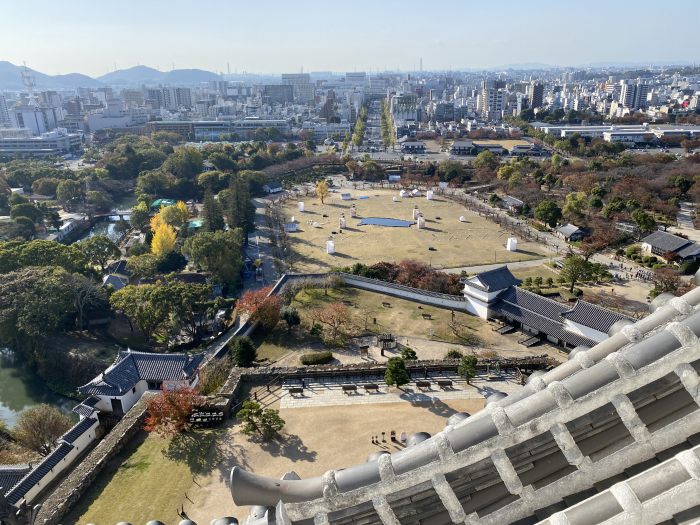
[(322, 190), (175, 215), (163, 240), (156, 221)]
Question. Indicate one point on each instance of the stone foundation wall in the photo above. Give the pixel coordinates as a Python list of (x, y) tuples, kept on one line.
[(70, 490), (231, 395)]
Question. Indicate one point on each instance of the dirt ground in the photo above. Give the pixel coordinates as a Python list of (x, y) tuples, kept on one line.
[(506, 143), (632, 296), (453, 243), (315, 440), (421, 327)]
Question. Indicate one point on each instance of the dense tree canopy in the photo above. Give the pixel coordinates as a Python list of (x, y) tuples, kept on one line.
[(15, 255), (218, 253), (99, 250)]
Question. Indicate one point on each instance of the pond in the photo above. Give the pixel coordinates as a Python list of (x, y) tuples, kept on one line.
[(21, 388), (108, 226), (384, 221)]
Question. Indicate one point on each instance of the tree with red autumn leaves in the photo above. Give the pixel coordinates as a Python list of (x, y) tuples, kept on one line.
[(169, 411), (411, 273), (261, 307)]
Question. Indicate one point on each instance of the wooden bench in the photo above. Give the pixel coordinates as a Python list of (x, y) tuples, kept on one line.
[(371, 386), (349, 388), (427, 316), (295, 390), (444, 383), (423, 385)]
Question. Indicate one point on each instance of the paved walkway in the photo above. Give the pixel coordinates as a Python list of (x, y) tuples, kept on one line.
[(512, 265), (685, 222), (328, 391), (260, 247)]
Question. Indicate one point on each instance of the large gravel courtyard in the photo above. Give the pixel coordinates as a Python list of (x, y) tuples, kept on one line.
[(445, 242)]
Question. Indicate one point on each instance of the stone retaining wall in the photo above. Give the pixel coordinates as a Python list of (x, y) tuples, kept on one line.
[(70, 490), (231, 393)]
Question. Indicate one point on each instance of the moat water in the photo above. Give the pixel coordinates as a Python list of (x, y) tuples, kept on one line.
[(21, 388)]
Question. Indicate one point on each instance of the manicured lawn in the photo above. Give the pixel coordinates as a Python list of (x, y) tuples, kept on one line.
[(147, 480)]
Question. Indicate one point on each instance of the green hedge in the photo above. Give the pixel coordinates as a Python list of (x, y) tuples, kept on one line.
[(317, 358)]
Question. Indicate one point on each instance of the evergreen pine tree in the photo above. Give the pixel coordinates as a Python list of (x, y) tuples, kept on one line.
[(212, 216)]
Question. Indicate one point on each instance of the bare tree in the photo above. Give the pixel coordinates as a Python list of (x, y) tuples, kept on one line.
[(39, 427), (335, 316), (85, 294)]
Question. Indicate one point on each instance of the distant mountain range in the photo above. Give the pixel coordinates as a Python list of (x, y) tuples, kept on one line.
[(11, 75), (11, 78), (147, 75)]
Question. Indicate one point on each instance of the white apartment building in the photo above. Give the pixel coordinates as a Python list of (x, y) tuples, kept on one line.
[(38, 119), (491, 103), (56, 142), (114, 116)]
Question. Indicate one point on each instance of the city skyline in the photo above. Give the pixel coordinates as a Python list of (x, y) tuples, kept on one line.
[(326, 39)]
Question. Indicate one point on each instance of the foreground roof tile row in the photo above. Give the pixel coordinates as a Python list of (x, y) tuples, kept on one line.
[(607, 414)]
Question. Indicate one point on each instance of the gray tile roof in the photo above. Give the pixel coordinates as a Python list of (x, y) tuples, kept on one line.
[(567, 230), (692, 250), (593, 316), (512, 201), (130, 367), (77, 430), (116, 281), (38, 473), (494, 280), (87, 407), (540, 313), (10, 475), (666, 242)]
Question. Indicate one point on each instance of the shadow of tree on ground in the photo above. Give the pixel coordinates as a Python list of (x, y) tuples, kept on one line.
[(289, 446), (200, 450)]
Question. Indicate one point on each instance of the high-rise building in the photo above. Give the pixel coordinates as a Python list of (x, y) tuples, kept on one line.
[(182, 96), (133, 98), (634, 96), (172, 98), (278, 93), (291, 79), (303, 90), (73, 106), (536, 94), (5, 120), (492, 100), (49, 98), (154, 98)]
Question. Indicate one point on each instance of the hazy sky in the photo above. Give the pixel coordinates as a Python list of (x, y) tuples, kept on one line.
[(266, 36)]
